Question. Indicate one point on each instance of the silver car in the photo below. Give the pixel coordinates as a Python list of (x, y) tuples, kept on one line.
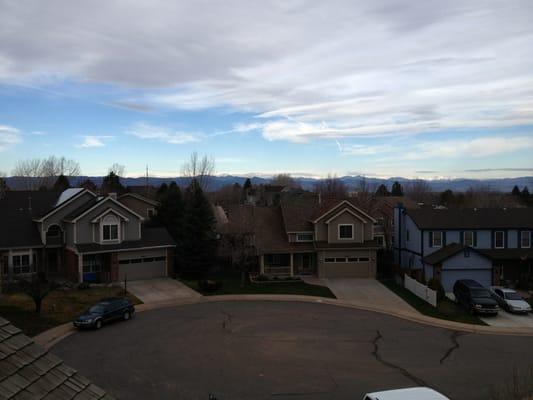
[(511, 301)]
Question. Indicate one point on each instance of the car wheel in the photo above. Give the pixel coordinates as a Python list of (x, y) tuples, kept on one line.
[(98, 324), (126, 316)]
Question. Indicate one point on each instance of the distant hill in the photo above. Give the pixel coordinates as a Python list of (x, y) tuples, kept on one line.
[(459, 185)]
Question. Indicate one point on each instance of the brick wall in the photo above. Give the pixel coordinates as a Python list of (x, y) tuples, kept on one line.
[(71, 266)]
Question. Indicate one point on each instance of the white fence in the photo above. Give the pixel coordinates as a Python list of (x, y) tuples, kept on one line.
[(420, 290)]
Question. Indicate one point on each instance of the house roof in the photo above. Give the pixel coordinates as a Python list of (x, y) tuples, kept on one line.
[(481, 218), (17, 228), (150, 237), (28, 371), (508, 254), (139, 197), (298, 211), (448, 251)]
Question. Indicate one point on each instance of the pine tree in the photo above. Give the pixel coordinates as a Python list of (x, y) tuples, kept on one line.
[(111, 184), (525, 194), (247, 184), (397, 189), (89, 185), (61, 184), (515, 191), (382, 191)]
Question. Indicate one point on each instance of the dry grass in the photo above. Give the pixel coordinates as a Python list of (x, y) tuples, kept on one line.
[(59, 307)]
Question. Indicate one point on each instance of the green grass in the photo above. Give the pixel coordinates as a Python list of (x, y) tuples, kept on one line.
[(58, 307), (446, 309), (231, 284)]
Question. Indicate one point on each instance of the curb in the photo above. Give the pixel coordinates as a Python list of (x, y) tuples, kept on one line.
[(53, 336)]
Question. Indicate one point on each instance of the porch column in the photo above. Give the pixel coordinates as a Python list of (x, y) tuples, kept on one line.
[(80, 268), (292, 264), (262, 264)]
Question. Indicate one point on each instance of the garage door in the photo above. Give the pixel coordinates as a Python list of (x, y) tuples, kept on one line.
[(137, 267), (449, 277), (348, 270)]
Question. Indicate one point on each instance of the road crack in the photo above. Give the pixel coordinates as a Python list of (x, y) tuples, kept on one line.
[(403, 371), (227, 321), (455, 345)]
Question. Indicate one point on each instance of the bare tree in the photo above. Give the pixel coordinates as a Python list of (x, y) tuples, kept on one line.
[(284, 180), (38, 173), (419, 190), (364, 193), (331, 187), (116, 169), (199, 169), (28, 172)]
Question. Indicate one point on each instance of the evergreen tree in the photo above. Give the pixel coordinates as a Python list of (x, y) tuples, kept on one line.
[(162, 191), (382, 191), (397, 189), (515, 191), (447, 197), (199, 241), (525, 194), (89, 185), (247, 184), (111, 184), (61, 184)]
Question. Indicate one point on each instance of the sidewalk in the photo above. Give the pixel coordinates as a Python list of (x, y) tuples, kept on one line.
[(52, 336)]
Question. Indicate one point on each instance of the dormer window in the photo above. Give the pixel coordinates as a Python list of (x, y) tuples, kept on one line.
[(345, 231), (110, 228)]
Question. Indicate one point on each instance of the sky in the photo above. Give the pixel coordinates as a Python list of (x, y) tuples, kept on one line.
[(419, 89)]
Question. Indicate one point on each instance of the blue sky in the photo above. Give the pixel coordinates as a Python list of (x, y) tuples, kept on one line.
[(382, 88)]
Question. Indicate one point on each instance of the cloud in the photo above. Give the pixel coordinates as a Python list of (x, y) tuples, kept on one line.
[(38, 133), (163, 134), (9, 136), (309, 70), (93, 141)]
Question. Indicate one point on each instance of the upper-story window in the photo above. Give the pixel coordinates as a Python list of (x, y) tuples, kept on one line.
[(525, 239), (304, 237), (437, 239), (499, 240), (345, 231), (110, 228), (468, 238), (21, 263)]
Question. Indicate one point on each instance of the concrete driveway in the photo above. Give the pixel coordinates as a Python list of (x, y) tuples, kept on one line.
[(367, 292), (509, 320), (160, 290)]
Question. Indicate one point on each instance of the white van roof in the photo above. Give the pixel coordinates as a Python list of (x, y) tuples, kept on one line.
[(415, 393)]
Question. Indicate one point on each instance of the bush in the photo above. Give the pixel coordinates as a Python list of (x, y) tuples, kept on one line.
[(84, 286), (435, 284), (209, 286)]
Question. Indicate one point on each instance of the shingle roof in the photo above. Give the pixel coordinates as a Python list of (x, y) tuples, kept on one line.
[(28, 371), (508, 254), (481, 218), (17, 228), (150, 237), (448, 251), (298, 211)]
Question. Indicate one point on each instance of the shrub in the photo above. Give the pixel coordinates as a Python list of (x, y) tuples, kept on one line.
[(435, 284), (84, 286), (209, 286)]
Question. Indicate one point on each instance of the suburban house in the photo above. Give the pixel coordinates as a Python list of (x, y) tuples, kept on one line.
[(304, 236), (490, 245), (79, 236)]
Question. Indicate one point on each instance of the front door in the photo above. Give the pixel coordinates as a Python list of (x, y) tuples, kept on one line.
[(305, 265)]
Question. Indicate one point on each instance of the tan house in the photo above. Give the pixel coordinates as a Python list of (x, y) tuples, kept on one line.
[(304, 236)]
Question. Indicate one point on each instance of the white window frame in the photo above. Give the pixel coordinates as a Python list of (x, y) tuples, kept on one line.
[(21, 254), (495, 240), (471, 237), (433, 244), (104, 224), (339, 232), (528, 236), (304, 240)]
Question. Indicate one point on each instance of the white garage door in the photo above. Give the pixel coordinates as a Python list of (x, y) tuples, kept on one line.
[(136, 266), (449, 277)]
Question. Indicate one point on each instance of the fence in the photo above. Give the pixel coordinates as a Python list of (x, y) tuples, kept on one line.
[(420, 290)]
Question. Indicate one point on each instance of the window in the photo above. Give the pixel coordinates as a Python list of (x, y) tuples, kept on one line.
[(352, 259), (364, 259), (21, 263), (53, 231), (345, 231), (329, 260), (340, 259), (437, 239), (304, 237), (499, 240), (381, 240), (525, 239), (468, 238), (110, 228)]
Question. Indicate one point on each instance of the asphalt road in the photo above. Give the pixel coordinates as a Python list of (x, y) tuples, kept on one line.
[(270, 350)]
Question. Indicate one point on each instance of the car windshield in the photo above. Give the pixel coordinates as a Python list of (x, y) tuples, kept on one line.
[(512, 296), (97, 309), (480, 293)]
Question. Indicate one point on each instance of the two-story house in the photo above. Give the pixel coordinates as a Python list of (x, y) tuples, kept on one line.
[(492, 246), (305, 236), (79, 236)]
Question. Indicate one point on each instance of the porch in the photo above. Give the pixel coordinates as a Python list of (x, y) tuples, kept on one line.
[(288, 264)]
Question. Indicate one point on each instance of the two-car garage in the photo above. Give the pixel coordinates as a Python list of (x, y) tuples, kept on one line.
[(135, 265), (347, 264)]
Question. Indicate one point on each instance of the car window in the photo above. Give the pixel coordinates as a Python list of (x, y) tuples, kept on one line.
[(97, 309), (480, 293), (512, 296), (499, 292)]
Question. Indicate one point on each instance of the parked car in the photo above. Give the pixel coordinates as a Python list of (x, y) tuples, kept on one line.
[(510, 301), (414, 393), (106, 311), (474, 297)]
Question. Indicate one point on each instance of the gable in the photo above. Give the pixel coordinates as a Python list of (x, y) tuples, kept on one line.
[(344, 206)]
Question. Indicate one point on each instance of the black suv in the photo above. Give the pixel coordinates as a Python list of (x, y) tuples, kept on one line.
[(105, 311), (474, 297)]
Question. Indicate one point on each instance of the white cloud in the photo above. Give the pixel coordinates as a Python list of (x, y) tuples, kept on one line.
[(38, 133), (93, 141), (163, 134), (9, 136)]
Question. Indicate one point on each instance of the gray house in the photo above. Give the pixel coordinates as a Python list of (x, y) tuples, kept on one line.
[(492, 246), (79, 236)]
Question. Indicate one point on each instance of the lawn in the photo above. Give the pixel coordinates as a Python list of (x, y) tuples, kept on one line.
[(231, 284), (58, 307), (446, 309)]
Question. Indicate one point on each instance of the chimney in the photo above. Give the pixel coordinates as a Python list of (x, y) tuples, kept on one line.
[(113, 195)]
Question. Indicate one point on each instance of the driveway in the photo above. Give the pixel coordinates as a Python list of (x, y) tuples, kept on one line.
[(369, 292), (287, 350), (509, 320), (160, 290)]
